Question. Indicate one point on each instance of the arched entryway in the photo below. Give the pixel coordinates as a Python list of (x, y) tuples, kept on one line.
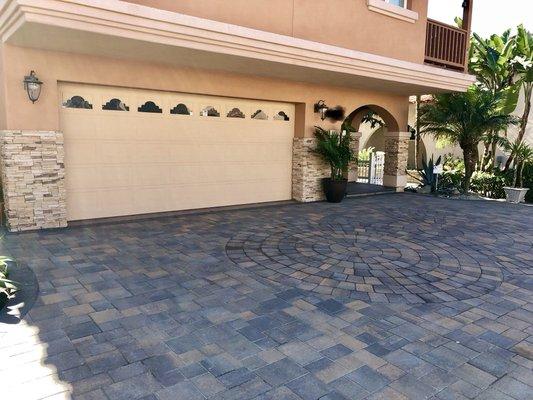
[(376, 127), (364, 113)]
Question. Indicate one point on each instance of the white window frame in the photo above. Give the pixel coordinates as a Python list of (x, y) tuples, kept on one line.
[(393, 11), (404, 3)]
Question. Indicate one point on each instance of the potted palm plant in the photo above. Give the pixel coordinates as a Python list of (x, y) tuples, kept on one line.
[(522, 155), (334, 148), (7, 286)]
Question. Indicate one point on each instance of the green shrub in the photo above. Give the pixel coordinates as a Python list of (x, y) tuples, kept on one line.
[(7, 286), (425, 176), (365, 154), (490, 184), (453, 173), (528, 182)]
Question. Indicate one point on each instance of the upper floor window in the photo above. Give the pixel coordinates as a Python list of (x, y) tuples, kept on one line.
[(398, 9), (399, 3)]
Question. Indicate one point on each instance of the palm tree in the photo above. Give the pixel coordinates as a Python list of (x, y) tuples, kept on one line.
[(523, 66), (465, 119), (504, 64), (490, 61), (522, 154)]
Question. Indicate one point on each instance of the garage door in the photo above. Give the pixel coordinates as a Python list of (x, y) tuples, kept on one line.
[(130, 151)]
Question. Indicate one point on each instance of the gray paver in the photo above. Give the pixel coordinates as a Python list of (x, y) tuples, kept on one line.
[(280, 372)]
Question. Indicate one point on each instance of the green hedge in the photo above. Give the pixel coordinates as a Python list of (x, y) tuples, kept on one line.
[(528, 182), (488, 184)]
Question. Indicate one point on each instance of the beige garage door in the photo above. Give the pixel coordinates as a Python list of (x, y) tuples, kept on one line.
[(136, 151)]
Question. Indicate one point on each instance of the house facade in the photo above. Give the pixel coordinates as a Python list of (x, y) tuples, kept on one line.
[(158, 105)]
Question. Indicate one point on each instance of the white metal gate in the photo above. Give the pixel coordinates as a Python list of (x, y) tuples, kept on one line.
[(377, 164)]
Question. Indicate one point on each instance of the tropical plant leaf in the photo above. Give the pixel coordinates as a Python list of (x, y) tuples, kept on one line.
[(509, 99)]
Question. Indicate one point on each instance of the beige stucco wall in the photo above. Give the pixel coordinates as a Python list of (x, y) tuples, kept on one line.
[(345, 23), (54, 67), (3, 122)]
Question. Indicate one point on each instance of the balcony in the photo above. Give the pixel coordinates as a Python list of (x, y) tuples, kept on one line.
[(446, 45)]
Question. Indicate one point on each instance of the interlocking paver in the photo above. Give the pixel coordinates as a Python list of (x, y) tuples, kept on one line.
[(335, 352), (308, 387), (368, 378), (180, 391), (280, 372), (514, 388), (280, 393), (132, 388), (236, 377), (396, 297), (348, 388), (492, 364), (208, 384)]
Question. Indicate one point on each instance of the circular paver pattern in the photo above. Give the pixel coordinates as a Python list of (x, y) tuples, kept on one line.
[(382, 262), (505, 241)]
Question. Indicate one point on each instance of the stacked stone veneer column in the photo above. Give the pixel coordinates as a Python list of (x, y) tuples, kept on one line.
[(396, 154), (353, 171), (33, 179), (308, 169)]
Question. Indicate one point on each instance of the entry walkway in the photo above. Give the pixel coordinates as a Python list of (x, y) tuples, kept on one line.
[(356, 189)]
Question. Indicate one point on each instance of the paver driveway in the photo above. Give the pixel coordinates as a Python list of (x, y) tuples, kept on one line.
[(389, 297)]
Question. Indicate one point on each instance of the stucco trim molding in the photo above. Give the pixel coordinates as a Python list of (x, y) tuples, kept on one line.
[(131, 21), (393, 11), (398, 135)]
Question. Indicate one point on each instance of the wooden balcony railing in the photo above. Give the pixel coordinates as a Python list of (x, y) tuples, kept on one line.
[(445, 45)]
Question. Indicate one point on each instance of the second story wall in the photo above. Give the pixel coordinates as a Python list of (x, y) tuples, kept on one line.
[(345, 23)]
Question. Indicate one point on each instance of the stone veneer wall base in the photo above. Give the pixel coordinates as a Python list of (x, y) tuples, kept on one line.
[(33, 179), (308, 169)]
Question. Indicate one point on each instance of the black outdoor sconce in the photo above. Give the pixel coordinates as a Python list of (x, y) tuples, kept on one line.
[(321, 108), (334, 114), (32, 85)]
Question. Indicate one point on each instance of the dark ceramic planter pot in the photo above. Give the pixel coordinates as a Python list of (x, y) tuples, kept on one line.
[(3, 301), (334, 190)]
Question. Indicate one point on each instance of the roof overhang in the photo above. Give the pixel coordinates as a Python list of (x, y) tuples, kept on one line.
[(120, 29)]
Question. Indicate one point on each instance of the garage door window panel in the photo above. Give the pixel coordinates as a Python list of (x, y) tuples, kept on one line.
[(235, 112), (150, 107), (210, 111), (115, 104), (260, 115), (281, 116), (77, 102), (181, 109)]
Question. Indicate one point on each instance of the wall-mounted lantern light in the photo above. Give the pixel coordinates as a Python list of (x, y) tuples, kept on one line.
[(32, 85), (321, 108)]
